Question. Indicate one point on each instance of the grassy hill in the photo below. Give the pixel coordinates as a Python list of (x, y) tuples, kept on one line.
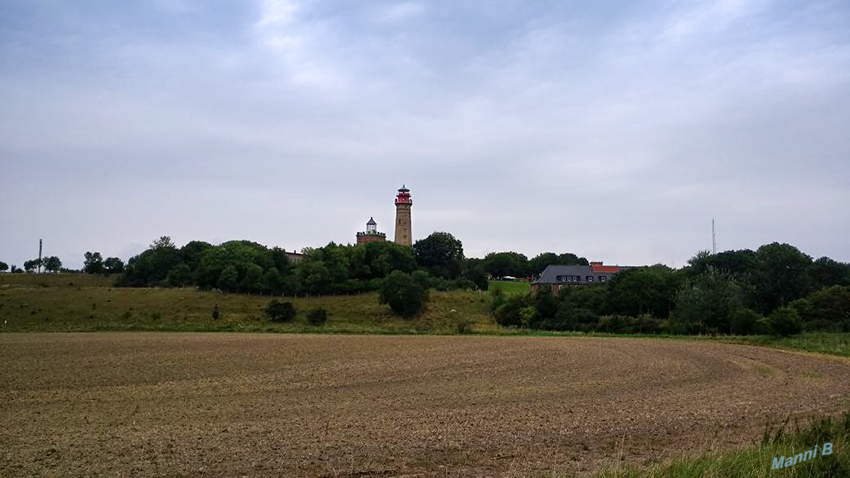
[(78, 302), (86, 303)]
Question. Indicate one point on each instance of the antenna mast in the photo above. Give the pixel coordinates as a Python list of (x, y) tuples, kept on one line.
[(713, 239), (39, 256)]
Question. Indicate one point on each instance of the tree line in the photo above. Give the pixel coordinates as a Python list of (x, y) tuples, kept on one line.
[(775, 289), (249, 267), (330, 269)]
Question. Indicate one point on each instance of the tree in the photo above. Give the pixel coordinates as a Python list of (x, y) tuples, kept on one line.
[(192, 253), (826, 272), (737, 263), (440, 254), (238, 254), (179, 275), (4, 267), (272, 281), (710, 299), (539, 263), (781, 275), (113, 265), (93, 263), (279, 311), (473, 271), (744, 322), (253, 279), (163, 242), (281, 260), (404, 294), (30, 266), (785, 322), (826, 308), (500, 264), (52, 264), (510, 313), (643, 290), (228, 278)]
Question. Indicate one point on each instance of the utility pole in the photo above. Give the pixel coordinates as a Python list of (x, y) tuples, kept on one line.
[(713, 239), (39, 256)]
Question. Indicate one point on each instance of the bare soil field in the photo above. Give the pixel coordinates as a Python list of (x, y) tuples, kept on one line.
[(186, 404)]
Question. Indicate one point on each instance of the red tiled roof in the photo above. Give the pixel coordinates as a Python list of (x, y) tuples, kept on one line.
[(601, 268)]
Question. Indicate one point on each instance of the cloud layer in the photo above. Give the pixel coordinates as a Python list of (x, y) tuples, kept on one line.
[(614, 131)]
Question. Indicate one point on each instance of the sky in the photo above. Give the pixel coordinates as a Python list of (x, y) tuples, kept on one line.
[(614, 130)]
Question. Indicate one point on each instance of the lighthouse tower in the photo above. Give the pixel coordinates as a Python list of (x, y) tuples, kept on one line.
[(403, 203)]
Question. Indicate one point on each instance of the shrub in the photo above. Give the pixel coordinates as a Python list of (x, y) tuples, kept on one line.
[(509, 313), (528, 315), (215, 313), (648, 324), (279, 311), (497, 299), (317, 316), (744, 321), (405, 294), (827, 305), (785, 322), (464, 325)]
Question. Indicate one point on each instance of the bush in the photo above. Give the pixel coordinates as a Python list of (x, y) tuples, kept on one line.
[(785, 322), (279, 311), (464, 326), (744, 322), (404, 293), (215, 313), (317, 316), (509, 313), (497, 299)]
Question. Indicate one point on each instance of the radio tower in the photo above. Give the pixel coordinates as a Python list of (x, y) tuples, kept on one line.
[(713, 239), (39, 256)]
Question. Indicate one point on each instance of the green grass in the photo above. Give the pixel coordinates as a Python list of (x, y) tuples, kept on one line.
[(755, 462), (79, 302), (818, 342), (33, 303), (510, 287)]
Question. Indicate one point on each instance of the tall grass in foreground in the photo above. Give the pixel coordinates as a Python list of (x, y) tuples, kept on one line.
[(786, 440)]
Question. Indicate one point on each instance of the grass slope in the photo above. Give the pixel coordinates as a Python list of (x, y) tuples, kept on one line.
[(79, 303), (756, 462)]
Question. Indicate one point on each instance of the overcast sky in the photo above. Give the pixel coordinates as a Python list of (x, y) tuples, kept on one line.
[(614, 130)]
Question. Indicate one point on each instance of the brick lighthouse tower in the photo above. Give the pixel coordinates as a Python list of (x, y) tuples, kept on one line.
[(403, 203)]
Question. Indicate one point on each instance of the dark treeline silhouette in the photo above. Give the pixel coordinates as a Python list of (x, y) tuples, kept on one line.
[(245, 266), (775, 289)]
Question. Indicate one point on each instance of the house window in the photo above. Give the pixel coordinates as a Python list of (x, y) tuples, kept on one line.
[(560, 278), (590, 278), (603, 278), (578, 278)]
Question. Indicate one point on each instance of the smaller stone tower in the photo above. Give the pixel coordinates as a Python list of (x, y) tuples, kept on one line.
[(371, 234), (403, 202)]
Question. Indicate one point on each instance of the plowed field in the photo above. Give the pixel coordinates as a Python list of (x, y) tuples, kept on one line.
[(142, 404)]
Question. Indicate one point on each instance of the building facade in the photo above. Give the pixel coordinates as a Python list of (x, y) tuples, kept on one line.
[(557, 277), (403, 203), (371, 234)]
